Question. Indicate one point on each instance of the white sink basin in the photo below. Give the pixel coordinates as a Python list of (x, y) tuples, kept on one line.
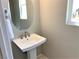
[(33, 42)]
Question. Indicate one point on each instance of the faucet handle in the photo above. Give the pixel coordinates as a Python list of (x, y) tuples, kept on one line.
[(25, 34), (28, 34), (21, 36)]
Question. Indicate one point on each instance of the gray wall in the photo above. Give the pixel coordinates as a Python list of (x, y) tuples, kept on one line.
[(63, 40), (35, 25)]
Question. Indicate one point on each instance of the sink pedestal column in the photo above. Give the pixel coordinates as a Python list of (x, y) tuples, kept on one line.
[(32, 54)]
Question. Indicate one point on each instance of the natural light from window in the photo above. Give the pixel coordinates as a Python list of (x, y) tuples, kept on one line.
[(75, 11), (23, 9)]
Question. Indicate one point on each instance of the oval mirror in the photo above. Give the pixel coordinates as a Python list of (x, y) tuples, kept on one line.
[(21, 13)]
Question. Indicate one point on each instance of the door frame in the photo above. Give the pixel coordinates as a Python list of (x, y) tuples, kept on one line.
[(5, 41)]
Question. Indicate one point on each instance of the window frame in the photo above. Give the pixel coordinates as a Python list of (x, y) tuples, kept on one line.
[(69, 14)]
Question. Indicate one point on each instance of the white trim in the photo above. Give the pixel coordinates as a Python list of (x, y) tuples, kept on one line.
[(63, 58), (69, 14), (5, 41)]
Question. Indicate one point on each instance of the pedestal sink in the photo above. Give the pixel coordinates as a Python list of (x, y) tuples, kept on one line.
[(30, 44)]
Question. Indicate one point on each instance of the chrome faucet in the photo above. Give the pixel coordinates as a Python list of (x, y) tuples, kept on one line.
[(25, 34)]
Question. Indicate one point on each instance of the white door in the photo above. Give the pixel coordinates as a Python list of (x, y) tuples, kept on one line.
[(5, 43)]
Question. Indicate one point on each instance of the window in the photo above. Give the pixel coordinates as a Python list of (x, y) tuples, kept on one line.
[(23, 9), (73, 12)]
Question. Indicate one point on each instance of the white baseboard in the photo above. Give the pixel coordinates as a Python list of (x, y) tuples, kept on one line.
[(42, 56), (65, 58)]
